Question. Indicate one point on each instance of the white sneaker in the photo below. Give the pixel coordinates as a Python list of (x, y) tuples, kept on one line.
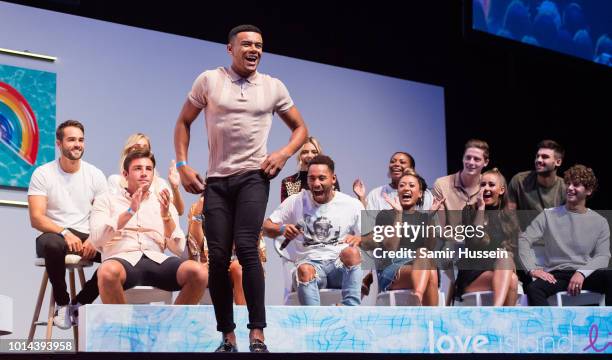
[(62, 318)]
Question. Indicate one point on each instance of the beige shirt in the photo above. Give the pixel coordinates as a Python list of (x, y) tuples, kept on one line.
[(143, 233), (456, 197), (238, 115)]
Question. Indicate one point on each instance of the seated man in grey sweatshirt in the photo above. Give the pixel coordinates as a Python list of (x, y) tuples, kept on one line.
[(576, 244)]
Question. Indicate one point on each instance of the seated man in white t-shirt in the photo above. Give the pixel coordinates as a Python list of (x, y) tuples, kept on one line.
[(60, 198), (327, 238)]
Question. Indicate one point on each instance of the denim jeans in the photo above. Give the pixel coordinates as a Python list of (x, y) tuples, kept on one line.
[(387, 275), (332, 274)]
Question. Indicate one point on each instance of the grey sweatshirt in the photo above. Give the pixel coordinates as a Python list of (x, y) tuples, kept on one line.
[(572, 241)]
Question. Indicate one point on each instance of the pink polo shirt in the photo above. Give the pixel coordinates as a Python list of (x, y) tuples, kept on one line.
[(238, 114)]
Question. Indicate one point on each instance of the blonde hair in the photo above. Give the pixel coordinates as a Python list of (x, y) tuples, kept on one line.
[(127, 148), (131, 141), (502, 182), (314, 142)]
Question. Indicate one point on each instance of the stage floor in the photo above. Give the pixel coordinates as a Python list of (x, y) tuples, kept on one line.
[(363, 329), (283, 356)]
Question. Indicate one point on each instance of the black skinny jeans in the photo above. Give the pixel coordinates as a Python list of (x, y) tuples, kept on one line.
[(52, 247), (539, 290), (234, 210)]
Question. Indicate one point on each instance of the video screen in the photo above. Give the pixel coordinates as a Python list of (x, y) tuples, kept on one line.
[(578, 28)]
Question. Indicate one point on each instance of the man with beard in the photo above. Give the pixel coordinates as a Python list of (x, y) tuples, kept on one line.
[(540, 188), (60, 198), (533, 191), (238, 104), (327, 248)]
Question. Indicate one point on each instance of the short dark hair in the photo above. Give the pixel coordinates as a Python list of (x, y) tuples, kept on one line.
[(580, 174), (412, 162), (137, 154), (59, 133), (479, 144), (242, 28), (553, 145), (322, 160)]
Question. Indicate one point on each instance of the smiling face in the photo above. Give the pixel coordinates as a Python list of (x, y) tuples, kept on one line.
[(576, 193), (546, 161), (493, 189), (321, 182), (474, 161), (409, 191), (245, 49), (72, 144), (397, 165), (308, 152)]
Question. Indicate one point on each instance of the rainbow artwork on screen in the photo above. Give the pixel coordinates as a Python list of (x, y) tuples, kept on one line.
[(27, 123)]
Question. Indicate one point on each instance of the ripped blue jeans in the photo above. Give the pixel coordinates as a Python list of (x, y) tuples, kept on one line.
[(331, 274)]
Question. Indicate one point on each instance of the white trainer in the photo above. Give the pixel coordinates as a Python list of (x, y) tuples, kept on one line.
[(62, 318)]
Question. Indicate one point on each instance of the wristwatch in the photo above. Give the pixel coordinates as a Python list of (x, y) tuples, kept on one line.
[(64, 232)]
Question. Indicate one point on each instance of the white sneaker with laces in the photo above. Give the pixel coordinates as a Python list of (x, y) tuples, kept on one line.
[(62, 317)]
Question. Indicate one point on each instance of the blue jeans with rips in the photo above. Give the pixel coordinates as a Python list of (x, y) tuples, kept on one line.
[(331, 274)]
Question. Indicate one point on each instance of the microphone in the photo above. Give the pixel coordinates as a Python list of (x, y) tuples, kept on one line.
[(287, 241)]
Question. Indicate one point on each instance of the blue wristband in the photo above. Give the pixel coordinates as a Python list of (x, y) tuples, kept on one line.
[(181, 163), (282, 229), (130, 211)]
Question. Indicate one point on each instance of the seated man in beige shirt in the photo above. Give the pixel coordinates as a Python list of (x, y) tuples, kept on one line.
[(132, 229)]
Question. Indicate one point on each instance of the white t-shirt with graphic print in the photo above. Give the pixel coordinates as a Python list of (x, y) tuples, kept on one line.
[(324, 225)]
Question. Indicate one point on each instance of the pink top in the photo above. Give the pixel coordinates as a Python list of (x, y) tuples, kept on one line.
[(143, 233), (238, 114)]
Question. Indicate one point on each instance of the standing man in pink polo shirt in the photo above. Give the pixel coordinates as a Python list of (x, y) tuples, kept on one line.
[(238, 104)]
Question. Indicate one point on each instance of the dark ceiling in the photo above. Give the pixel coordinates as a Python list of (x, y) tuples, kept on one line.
[(383, 38), (509, 94)]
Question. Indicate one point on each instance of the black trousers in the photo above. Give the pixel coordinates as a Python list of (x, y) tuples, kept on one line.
[(539, 290), (234, 210), (52, 247)]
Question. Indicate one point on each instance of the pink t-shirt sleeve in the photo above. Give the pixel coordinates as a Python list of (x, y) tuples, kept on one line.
[(284, 101), (197, 95)]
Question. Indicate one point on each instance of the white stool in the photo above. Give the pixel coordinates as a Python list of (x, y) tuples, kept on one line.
[(403, 297), (476, 298), (485, 298), (328, 297), (563, 298), (70, 266)]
